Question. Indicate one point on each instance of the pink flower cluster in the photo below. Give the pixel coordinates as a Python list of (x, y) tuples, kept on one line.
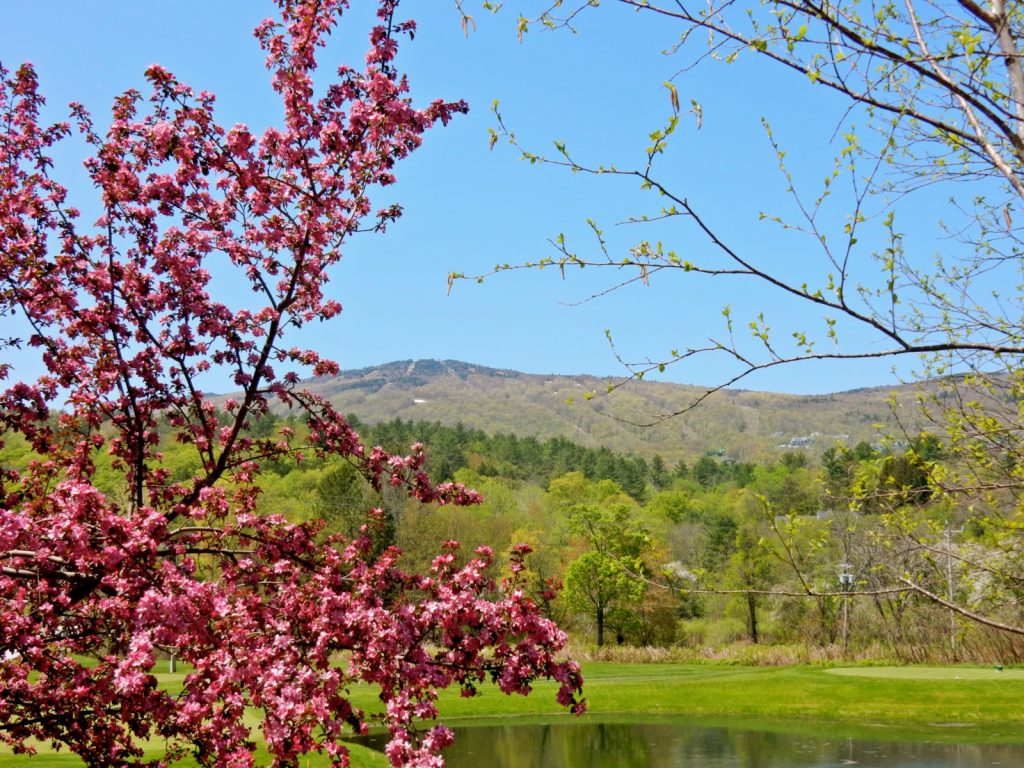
[(96, 586)]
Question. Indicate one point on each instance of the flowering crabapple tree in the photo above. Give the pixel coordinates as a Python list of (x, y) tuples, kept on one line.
[(268, 614)]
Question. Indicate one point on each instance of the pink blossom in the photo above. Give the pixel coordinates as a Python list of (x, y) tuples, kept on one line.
[(98, 589)]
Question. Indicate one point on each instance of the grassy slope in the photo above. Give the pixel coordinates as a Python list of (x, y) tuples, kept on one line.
[(939, 706), (793, 697)]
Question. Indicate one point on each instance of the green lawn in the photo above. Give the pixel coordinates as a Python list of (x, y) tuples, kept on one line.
[(932, 673), (922, 705), (963, 704)]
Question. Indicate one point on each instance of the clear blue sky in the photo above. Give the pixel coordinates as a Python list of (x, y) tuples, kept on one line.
[(468, 208)]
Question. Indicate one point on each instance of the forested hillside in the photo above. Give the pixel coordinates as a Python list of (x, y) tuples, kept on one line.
[(745, 425), (722, 540), (713, 555)]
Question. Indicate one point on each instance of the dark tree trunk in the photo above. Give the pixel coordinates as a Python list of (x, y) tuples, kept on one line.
[(752, 616)]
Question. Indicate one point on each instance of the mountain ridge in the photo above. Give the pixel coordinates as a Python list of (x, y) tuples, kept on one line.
[(739, 423)]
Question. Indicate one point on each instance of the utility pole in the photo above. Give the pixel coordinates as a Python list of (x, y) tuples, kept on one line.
[(948, 533), (846, 580)]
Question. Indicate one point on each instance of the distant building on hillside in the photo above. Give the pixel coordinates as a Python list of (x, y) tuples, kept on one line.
[(799, 442)]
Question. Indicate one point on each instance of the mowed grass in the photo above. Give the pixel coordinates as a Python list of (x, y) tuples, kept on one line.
[(932, 673), (933, 704), (957, 704), (362, 757)]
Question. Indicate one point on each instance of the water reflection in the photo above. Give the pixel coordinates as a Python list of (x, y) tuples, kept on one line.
[(673, 744)]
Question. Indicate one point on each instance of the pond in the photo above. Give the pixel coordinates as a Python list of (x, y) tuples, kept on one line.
[(661, 744)]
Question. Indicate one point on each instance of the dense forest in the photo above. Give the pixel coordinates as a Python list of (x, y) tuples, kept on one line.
[(713, 557)]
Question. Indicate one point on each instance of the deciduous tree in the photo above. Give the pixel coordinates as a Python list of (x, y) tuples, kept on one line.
[(606, 576), (94, 587), (934, 111)]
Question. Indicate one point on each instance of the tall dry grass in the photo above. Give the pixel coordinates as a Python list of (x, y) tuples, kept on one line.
[(741, 654)]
